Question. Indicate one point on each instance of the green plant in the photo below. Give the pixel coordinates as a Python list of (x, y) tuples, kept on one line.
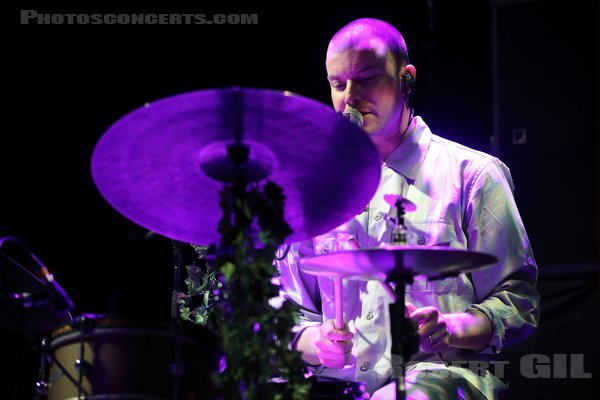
[(236, 289)]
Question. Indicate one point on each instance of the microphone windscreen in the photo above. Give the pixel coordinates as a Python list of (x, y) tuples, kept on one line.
[(354, 116)]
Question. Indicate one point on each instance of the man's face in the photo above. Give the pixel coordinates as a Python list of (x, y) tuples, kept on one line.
[(367, 80)]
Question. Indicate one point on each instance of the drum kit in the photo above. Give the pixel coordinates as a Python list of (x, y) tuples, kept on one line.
[(163, 165)]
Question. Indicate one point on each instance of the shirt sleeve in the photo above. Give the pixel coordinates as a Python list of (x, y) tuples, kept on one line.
[(298, 287), (505, 292)]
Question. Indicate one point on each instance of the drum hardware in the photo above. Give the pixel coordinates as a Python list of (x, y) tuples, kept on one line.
[(35, 303), (176, 368), (399, 207), (41, 386), (164, 165), (122, 358), (74, 361), (46, 360), (397, 264)]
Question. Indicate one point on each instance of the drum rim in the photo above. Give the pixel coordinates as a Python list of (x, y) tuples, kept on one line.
[(104, 320), (107, 326)]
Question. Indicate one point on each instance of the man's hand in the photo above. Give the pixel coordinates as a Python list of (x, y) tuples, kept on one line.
[(438, 332), (326, 345), (334, 346), (433, 329)]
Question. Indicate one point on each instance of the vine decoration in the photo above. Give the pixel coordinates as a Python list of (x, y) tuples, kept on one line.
[(230, 292)]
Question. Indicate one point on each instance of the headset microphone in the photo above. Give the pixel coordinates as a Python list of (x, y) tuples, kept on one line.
[(408, 83)]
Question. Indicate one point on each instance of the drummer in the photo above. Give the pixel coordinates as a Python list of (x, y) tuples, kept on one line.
[(464, 200)]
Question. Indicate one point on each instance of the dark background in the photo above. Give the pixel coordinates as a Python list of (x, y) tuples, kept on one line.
[(65, 85)]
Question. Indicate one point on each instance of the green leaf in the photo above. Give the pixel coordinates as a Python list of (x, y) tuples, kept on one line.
[(185, 313), (201, 319), (228, 269)]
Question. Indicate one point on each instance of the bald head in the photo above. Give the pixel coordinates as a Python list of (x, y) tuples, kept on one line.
[(370, 33)]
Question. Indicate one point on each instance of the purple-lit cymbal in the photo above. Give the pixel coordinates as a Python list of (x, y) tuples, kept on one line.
[(153, 165), (394, 261)]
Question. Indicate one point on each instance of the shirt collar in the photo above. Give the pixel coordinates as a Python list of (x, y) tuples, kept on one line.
[(408, 157)]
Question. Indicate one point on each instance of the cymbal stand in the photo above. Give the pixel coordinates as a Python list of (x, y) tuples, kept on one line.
[(399, 236), (405, 340), (177, 367), (41, 386)]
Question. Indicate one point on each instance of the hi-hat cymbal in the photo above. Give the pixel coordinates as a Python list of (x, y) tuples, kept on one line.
[(162, 165), (396, 261), (15, 279)]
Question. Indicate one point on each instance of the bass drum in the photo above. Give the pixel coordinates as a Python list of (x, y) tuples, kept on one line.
[(110, 358)]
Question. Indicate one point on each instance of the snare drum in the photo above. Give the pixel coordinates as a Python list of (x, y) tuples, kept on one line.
[(325, 389), (109, 358)]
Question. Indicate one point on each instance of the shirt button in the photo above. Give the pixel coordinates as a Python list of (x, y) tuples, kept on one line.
[(378, 217), (421, 240), (369, 316), (365, 367)]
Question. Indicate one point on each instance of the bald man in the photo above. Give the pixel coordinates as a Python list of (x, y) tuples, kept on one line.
[(464, 200)]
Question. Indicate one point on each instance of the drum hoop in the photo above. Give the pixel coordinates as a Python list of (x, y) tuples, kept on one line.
[(108, 321), (105, 321), (117, 397), (75, 336)]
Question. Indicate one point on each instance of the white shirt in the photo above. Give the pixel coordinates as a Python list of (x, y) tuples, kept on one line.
[(464, 200)]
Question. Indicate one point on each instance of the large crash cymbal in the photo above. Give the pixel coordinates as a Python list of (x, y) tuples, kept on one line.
[(163, 164), (393, 261)]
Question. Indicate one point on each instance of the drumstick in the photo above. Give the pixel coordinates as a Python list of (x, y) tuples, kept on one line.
[(337, 286), (339, 304)]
